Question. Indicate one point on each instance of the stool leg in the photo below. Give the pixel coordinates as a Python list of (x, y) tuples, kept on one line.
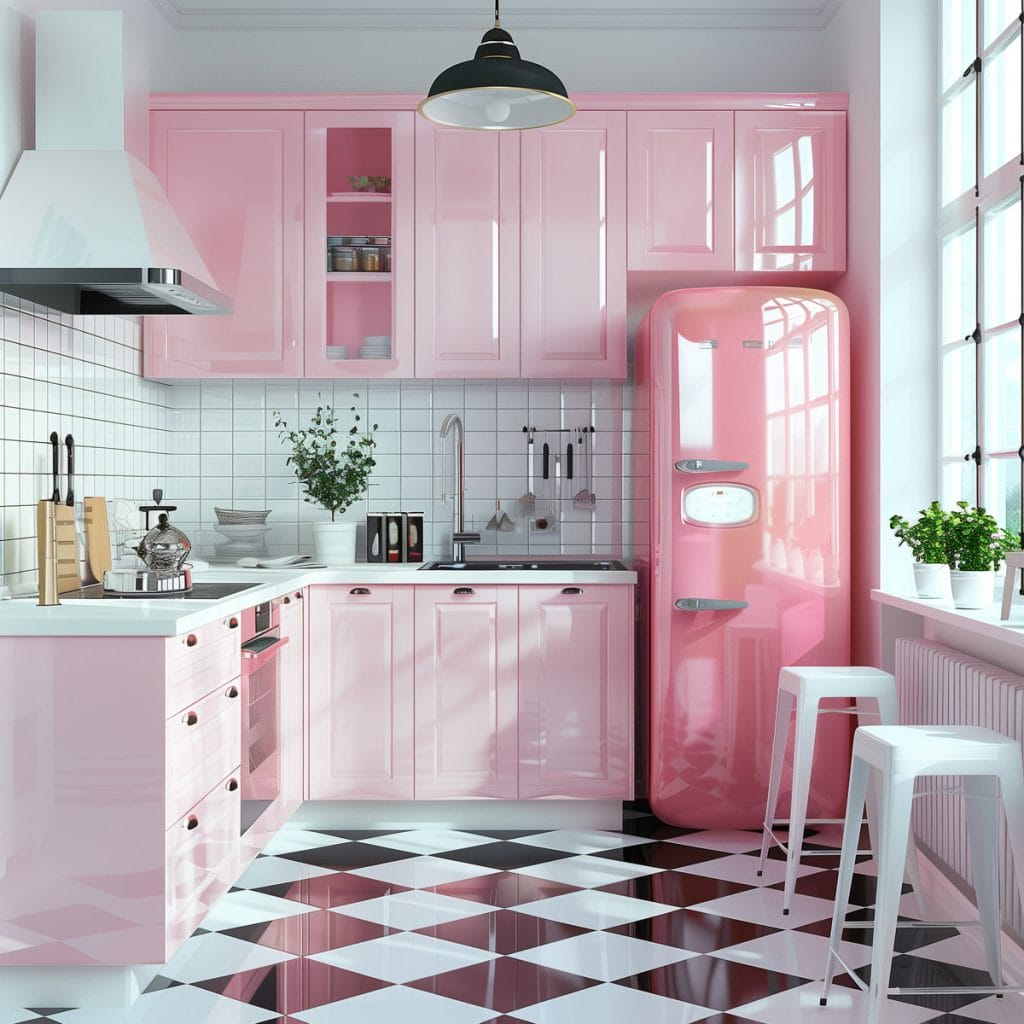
[(897, 801), (982, 794), (783, 711), (803, 755), (1012, 783), (859, 777)]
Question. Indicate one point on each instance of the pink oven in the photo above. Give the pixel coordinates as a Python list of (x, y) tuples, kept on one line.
[(262, 646)]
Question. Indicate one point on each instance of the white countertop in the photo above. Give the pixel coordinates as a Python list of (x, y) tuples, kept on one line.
[(168, 616), (983, 621)]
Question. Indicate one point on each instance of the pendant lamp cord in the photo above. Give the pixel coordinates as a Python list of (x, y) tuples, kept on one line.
[(497, 14)]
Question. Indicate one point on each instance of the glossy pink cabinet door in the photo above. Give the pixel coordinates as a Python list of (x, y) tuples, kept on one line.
[(466, 652), (235, 179), (680, 190), (573, 273), (467, 252), (576, 691), (359, 716), (791, 190)]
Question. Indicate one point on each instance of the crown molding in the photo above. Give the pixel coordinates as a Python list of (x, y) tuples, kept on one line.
[(739, 15)]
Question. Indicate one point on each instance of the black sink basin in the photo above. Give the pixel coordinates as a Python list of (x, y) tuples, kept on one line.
[(511, 565)]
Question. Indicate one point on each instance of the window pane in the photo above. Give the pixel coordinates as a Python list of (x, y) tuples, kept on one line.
[(958, 285), (958, 483), (958, 144), (1002, 491), (1001, 398), (1001, 115), (1002, 300), (958, 400), (958, 39), (997, 14)]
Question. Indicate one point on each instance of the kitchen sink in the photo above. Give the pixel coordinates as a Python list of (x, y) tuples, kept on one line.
[(510, 565)]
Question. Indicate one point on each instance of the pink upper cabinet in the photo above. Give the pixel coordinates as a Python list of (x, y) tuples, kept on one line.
[(359, 302), (573, 269), (680, 190), (466, 713), (791, 190), (467, 252), (235, 179), (520, 251)]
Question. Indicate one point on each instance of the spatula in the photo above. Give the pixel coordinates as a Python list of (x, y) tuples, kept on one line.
[(528, 502)]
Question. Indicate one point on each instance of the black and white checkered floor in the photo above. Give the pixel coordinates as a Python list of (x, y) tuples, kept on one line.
[(653, 924)]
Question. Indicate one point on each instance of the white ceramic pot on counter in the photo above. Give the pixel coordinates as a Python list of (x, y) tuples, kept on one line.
[(335, 543), (972, 589)]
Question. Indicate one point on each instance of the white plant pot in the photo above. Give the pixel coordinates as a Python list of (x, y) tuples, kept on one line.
[(335, 543), (931, 579), (973, 589)]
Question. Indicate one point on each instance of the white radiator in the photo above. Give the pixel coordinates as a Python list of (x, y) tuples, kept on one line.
[(938, 684)]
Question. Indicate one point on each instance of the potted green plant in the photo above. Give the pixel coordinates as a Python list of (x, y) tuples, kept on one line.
[(333, 473), (977, 545), (928, 539)]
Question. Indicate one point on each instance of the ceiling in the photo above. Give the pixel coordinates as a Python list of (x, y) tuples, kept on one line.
[(617, 15)]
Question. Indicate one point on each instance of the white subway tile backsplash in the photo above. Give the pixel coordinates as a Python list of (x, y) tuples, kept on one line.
[(213, 443)]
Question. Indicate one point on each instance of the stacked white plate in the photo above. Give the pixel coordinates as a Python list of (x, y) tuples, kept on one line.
[(376, 346)]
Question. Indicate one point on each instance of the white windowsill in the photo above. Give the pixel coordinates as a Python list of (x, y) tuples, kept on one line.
[(985, 622)]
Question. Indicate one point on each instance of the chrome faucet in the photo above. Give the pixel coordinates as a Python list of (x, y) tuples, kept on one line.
[(460, 538)]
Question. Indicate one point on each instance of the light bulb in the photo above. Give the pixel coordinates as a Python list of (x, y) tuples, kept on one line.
[(497, 110)]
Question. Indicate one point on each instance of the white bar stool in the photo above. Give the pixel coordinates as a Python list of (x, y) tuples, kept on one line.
[(803, 688), (898, 754)]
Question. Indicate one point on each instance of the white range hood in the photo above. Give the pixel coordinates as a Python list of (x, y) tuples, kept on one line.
[(84, 225)]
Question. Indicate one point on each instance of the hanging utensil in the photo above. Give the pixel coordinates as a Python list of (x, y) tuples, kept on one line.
[(55, 444), (494, 522), (568, 461), (584, 498), (528, 502)]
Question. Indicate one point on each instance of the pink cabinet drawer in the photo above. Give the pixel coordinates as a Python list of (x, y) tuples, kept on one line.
[(201, 660), (201, 851), (203, 744)]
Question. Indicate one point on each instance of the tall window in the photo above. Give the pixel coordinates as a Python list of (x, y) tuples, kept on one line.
[(981, 319)]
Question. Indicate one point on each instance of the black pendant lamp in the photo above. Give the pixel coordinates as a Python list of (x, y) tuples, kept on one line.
[(497, 89)]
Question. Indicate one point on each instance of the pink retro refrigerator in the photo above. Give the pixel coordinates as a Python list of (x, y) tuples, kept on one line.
[(747, 390)]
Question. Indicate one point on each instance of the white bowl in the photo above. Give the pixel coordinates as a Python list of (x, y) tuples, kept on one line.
[(232, 516)]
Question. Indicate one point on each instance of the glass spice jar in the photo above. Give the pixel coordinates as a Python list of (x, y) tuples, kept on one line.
[(343, 258), (369, 258)]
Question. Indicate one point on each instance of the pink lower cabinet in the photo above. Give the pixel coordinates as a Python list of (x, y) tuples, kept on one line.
[(466, 692), (576, 691), (121, 814), (234, 177), (359, 714)]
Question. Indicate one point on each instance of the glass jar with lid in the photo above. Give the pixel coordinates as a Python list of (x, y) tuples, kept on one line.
[(369, 258)]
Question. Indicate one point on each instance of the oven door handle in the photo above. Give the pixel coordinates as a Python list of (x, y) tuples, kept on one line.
[(256, 659)]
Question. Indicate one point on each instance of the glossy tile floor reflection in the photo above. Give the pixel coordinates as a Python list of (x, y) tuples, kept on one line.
[(651, 924)]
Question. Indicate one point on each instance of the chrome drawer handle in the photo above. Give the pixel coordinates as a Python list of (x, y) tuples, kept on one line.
[(572, 590), (231, 691), (463, 591), (232, 785), (711, 466), (358, 591)]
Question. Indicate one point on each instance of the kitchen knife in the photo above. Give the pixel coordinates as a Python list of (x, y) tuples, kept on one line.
[(55, 443), (70, 442)]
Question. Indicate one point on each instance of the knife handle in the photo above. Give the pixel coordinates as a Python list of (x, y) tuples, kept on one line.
[(568, 461), (545, 461), (55, 444), (70, 442)]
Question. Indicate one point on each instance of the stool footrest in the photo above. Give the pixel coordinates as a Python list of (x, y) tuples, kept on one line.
[(956, 990)]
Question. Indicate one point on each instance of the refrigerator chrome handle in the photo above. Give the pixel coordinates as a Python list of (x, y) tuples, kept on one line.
[(707, 604), (711, 466)]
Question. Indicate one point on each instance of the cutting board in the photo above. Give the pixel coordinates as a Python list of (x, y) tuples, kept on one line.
[(68, 571), (97, 537)]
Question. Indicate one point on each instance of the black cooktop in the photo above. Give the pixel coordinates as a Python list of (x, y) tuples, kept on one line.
[(199, 592)]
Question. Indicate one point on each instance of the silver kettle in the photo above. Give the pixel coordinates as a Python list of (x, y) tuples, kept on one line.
[(165, 548)]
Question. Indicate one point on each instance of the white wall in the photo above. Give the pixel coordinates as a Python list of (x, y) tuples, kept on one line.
[(397, 61), (15, 93)]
